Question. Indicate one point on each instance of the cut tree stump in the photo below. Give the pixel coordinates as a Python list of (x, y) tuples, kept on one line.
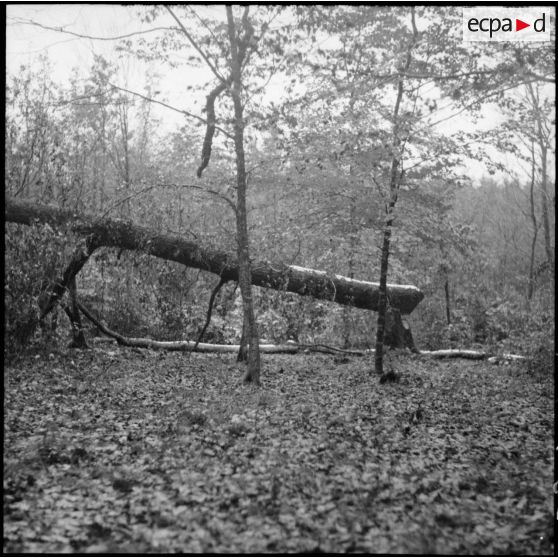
[(398, 332)]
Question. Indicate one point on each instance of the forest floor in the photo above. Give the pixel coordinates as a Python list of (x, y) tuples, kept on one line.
[(119, 450)]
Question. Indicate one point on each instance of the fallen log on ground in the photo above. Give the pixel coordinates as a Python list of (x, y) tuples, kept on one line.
[(472, 355), (288, 348), (126, 235), (193, 346)]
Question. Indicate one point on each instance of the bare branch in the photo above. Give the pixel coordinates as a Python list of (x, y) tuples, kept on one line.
[(538, 77), (214, 293), (212, 192), (22, 21), (472, 103), (203, 23), (195, 45), (125, 199), (459, 75), (185, 112)]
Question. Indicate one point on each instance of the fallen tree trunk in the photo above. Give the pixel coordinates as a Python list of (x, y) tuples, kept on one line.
[(288, 348), (472, 355), (290, 278), (79, 258), (456, 353), (194, 346)]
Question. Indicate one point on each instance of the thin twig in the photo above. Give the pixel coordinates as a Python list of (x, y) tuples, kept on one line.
[(185, 112), (125, 199), (195, 45), (22, 21), (214, 293), (209, 191)]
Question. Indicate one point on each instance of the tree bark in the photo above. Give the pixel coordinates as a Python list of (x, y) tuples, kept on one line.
[(394, 181), (122, 234), (544, 209), (242, 355), (384, 259), (543, 141), (353, 231), (243, 241), (397, 333), (447, 295), (535, 225), (79, 259), (72, 311), (55, 291)]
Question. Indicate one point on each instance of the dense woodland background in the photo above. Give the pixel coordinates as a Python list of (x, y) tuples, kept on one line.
[(480, 248), (360, 122)]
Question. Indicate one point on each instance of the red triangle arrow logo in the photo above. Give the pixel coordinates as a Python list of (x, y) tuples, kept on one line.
[(519, 25)]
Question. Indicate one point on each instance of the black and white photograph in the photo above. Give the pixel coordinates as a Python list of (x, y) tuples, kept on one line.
[(279, 279)]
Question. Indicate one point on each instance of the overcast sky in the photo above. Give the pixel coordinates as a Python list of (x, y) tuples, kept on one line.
[(25, 43)]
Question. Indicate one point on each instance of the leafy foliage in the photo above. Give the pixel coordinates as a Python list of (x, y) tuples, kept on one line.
[(34, 258), (134, 451), (317, 159)]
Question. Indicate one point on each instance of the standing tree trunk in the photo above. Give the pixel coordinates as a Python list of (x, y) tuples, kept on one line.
[(384, 260), (532, 206), (447, 293), (396, 176), (124, 168), (544, 208), (72, 311), (242, 355), (245, 280), (543, 141), (347, 326)]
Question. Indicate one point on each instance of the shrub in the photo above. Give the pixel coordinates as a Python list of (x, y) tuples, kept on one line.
[(35, 256), (539, 341), (541, 360)]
